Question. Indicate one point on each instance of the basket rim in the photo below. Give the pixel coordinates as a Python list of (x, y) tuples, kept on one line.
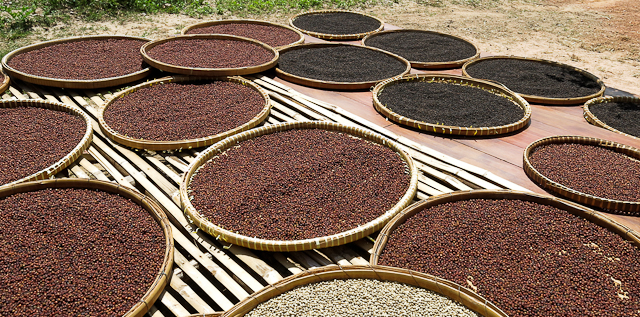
[(569, 193), (336, 84), (593, 119), (161, 280), (430, 65), (328, 36), (202, 71), (5, 82), (440, 286), (243, 21), (184, 143), (444, 129), (70, 157), (542, 99), (304, 244), (73, 83)]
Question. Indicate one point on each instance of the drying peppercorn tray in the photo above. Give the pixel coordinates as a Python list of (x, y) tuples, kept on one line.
[(493, 88), (69, 158), (200, 25), (569, 193), (593, 119), (73, 83), (328, 36), (182, 144), (437, 285), (5, 82), (293, 245)]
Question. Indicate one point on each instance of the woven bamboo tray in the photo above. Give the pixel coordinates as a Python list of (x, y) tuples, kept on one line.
[(73, 83), (326, 36), (69, 158), (294, 245), (316, 83), (181, 144), (541, 99), (566, 192), (155, 289), (208, 72), (429, 65), (440, 286), (245, 21), (5, 82), (591, 118), (454, 80)]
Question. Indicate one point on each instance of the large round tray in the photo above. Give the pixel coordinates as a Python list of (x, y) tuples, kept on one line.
[(440, 286), (181, 144), (155, 289), (452, 79), (566, 192), (73, 83), (208, 71), (5, 82), (430, 65), (69, 158), (316, 83), (591, 118), (335, 36), (541, 99), (294, 245), (245, 21)]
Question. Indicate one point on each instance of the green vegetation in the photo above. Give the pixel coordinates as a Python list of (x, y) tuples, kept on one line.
[(241, 7)]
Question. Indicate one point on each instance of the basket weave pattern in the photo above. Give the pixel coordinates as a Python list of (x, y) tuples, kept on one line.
[(591, 118), (326, 36)]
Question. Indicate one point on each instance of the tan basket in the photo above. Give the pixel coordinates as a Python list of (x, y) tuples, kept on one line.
[(152, 294), (454, 80), (440, 286), (429, 65), (591, 118), (335, 36), (566, 192), (4, 85), (69, 158), (200, 25), (208, 72), (73, 83), (294, 245), (540, 99), (334, 84), (182, 144)]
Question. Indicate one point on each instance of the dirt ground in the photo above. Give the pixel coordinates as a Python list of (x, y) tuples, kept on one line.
[(600, 36)]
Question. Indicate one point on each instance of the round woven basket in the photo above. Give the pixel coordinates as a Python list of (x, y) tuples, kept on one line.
[(591, 118), (200, 25), (493, 88), (541, 99), (326, 36), (294, 245), (429, 65), (73, 83), (182, 144), (566, 192), (69, 158), (208, 72), (5, 82), (161, 280), (440, 286), (316, 83)]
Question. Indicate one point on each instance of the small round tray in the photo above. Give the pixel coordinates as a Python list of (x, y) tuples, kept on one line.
[(541, 99), (316, 83), (4, 85), (208, 72), (69, 158), (73, 83), (188, 28), (429, 65), (591, 118), (181, 144), (440, 286), (454, 80), (327, 36), (566, 192), (293, 245), (155, 289)]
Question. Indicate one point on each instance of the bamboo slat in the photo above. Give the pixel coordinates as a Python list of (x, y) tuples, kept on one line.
[(593, 119), (6, 80)]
